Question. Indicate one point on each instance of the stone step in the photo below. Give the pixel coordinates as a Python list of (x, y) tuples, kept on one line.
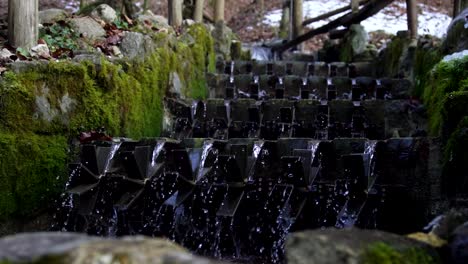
[(275, 118), (281, 68), (312, 87)]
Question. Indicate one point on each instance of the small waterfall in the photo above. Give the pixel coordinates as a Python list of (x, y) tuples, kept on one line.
[(369, 151), (156, 151), (313, 146), (114, 148), (227, 104), (207, 148), (194, 109)]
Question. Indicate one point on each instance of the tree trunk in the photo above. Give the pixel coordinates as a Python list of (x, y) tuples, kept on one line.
[(297, 18), (284, 32), (23, 23), (198, 12), (355, 6), (459, 6), (175, 13), (219, 10), (412, 11)]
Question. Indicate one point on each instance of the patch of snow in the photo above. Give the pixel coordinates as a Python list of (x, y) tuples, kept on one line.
[(456, 56), (391, 19)]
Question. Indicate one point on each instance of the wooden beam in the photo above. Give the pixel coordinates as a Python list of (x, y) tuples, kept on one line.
[(23, 23), (331, 13), (370, 9)]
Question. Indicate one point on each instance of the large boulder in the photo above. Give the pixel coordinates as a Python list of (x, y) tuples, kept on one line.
[(352, 246), (136, 45), (51, 16), (150, 19), (82, 249), (223, 37), (104, 12), (459, 244), (457, 34), (354, 43), (88, 27)]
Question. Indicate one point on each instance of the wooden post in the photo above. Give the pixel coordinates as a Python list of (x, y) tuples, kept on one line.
[(175, 13), (198, 11), (284, 32), (297, 18), (412, 12), (23, 23), (355, 6), (219, 10)]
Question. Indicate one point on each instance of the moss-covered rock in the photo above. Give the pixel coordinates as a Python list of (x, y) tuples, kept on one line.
[(447, 77), (381, 253), (43, 107), (349, 246), (446, 98)]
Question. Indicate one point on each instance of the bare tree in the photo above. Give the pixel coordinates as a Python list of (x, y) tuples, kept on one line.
[(297, 18), (23, 23), (412, 13), (198, 11), (175, 12), (219, 10)]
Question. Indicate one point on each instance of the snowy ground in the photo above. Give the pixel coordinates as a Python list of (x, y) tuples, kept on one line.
[(391, 19)]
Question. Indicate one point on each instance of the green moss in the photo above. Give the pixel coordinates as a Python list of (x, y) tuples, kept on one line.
[(125, 97), (32, 170), (381, 253), (425, 60), (392, 55), (447, 77)]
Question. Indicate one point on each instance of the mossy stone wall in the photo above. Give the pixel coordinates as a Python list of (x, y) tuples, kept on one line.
[(446, 99), (43, 108)]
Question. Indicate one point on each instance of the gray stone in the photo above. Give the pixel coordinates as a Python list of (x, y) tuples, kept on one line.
[(5, 55), (444, 225), (88, 27), (43, 108), (40, 51), (32, 246), (175, 84), (51, 16), (72, 248), (354, 43), (223, 37), (24, 66), (135, 44), (116, 51), (188, 22), (358, 38), (333, 246), (457, 35), (156, 21), (104, 12), (459, 245)]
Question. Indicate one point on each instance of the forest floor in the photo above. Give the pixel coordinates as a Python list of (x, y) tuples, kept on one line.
[(246, 20)]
